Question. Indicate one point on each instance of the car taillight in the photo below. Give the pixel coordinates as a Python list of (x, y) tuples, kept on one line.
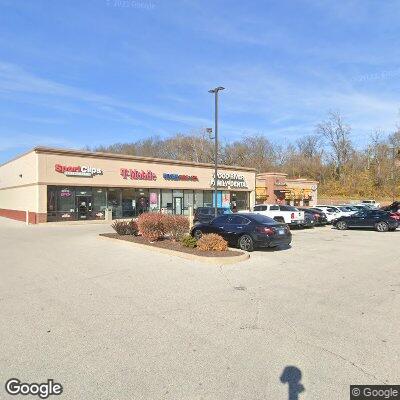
[(292, 216), (265, 230)]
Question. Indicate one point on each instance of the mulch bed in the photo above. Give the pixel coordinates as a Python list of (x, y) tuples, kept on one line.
[(171, 245)]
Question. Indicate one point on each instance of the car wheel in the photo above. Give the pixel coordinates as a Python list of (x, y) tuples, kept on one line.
[(382, 226), (341, 225), (197, 234), (279, 219), (246, 243)]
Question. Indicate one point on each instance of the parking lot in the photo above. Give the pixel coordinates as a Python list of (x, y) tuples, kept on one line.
[(109, 320)]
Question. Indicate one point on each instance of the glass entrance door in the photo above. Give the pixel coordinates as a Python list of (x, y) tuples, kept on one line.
[(178, 205), (84, 206)]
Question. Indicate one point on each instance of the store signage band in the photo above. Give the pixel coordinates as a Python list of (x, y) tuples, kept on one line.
[(79, 171)]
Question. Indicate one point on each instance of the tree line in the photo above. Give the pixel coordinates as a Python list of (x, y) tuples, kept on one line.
[(328, 155)]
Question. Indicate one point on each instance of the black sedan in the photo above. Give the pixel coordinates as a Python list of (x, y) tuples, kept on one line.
[(247, 231), (318, 216), (376, 219)]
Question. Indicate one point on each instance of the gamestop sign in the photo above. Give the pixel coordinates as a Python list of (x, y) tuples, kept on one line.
[(78, 170)]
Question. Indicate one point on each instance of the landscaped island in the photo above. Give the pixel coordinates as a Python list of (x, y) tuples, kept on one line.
[(170, 232)]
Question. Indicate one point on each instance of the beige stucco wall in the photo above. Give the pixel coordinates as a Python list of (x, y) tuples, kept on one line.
[(19, 192), (26, 165), (23, 198)]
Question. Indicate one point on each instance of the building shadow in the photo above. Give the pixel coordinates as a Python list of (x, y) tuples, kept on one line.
[(292, 377)]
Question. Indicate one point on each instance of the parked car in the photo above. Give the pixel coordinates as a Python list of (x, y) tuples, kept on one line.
[(394, 207), (281, 213), (377, 219), (351, 207), (331, 212), (395, 215), (362, 207), (373, 203), (247, 231), (346, 211), (319, 216), (206, 214), (394, 210)]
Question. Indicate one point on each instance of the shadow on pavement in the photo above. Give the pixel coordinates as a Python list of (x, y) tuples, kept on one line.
[(272, 249), (292, 377)]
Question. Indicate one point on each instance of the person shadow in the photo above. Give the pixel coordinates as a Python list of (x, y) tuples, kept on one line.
[(292, 377)]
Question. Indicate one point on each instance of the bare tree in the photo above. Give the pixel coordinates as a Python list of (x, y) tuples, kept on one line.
[(337, 134)]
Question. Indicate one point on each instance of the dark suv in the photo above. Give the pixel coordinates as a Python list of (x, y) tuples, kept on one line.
[(206, 214), (377, 219)]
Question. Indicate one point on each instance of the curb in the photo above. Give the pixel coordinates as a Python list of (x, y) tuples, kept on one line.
[(187, 256)]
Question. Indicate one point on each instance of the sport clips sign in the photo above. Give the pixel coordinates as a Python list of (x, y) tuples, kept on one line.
[(81, 171)]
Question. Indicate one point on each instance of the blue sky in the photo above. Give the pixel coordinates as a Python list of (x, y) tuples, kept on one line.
[(76, 73)]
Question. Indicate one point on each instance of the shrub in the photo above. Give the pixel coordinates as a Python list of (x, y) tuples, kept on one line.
[(125, 227), (132, 228), (189, 241), (212, 241), (176, 226), (151, 226)]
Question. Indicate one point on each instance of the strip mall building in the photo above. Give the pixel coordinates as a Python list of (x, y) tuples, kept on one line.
[(277, 188), (47, 184)]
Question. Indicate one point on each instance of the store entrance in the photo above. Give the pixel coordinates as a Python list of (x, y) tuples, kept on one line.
[(84, 206), (178, 202)]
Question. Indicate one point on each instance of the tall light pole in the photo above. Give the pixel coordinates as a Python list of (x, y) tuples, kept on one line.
[(215, 92), (393, 148)]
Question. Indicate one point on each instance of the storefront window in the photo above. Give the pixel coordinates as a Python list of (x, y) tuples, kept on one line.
[(240, 200), (177, 206), (52, 203), (51, 199), (128, 203), (208, 198), (198, 198), (66, 200), (99, 203), (154, 199), (188, 199), (142, 201), (226, 199), (114, 201), (166, 201)]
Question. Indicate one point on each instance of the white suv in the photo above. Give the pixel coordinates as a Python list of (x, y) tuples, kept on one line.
[(331, 212)]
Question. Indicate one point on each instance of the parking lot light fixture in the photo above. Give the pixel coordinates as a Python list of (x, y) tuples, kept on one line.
[(215, 92)]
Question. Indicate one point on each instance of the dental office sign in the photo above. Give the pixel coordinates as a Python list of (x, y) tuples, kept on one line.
[(81, 171), (230, 180)]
